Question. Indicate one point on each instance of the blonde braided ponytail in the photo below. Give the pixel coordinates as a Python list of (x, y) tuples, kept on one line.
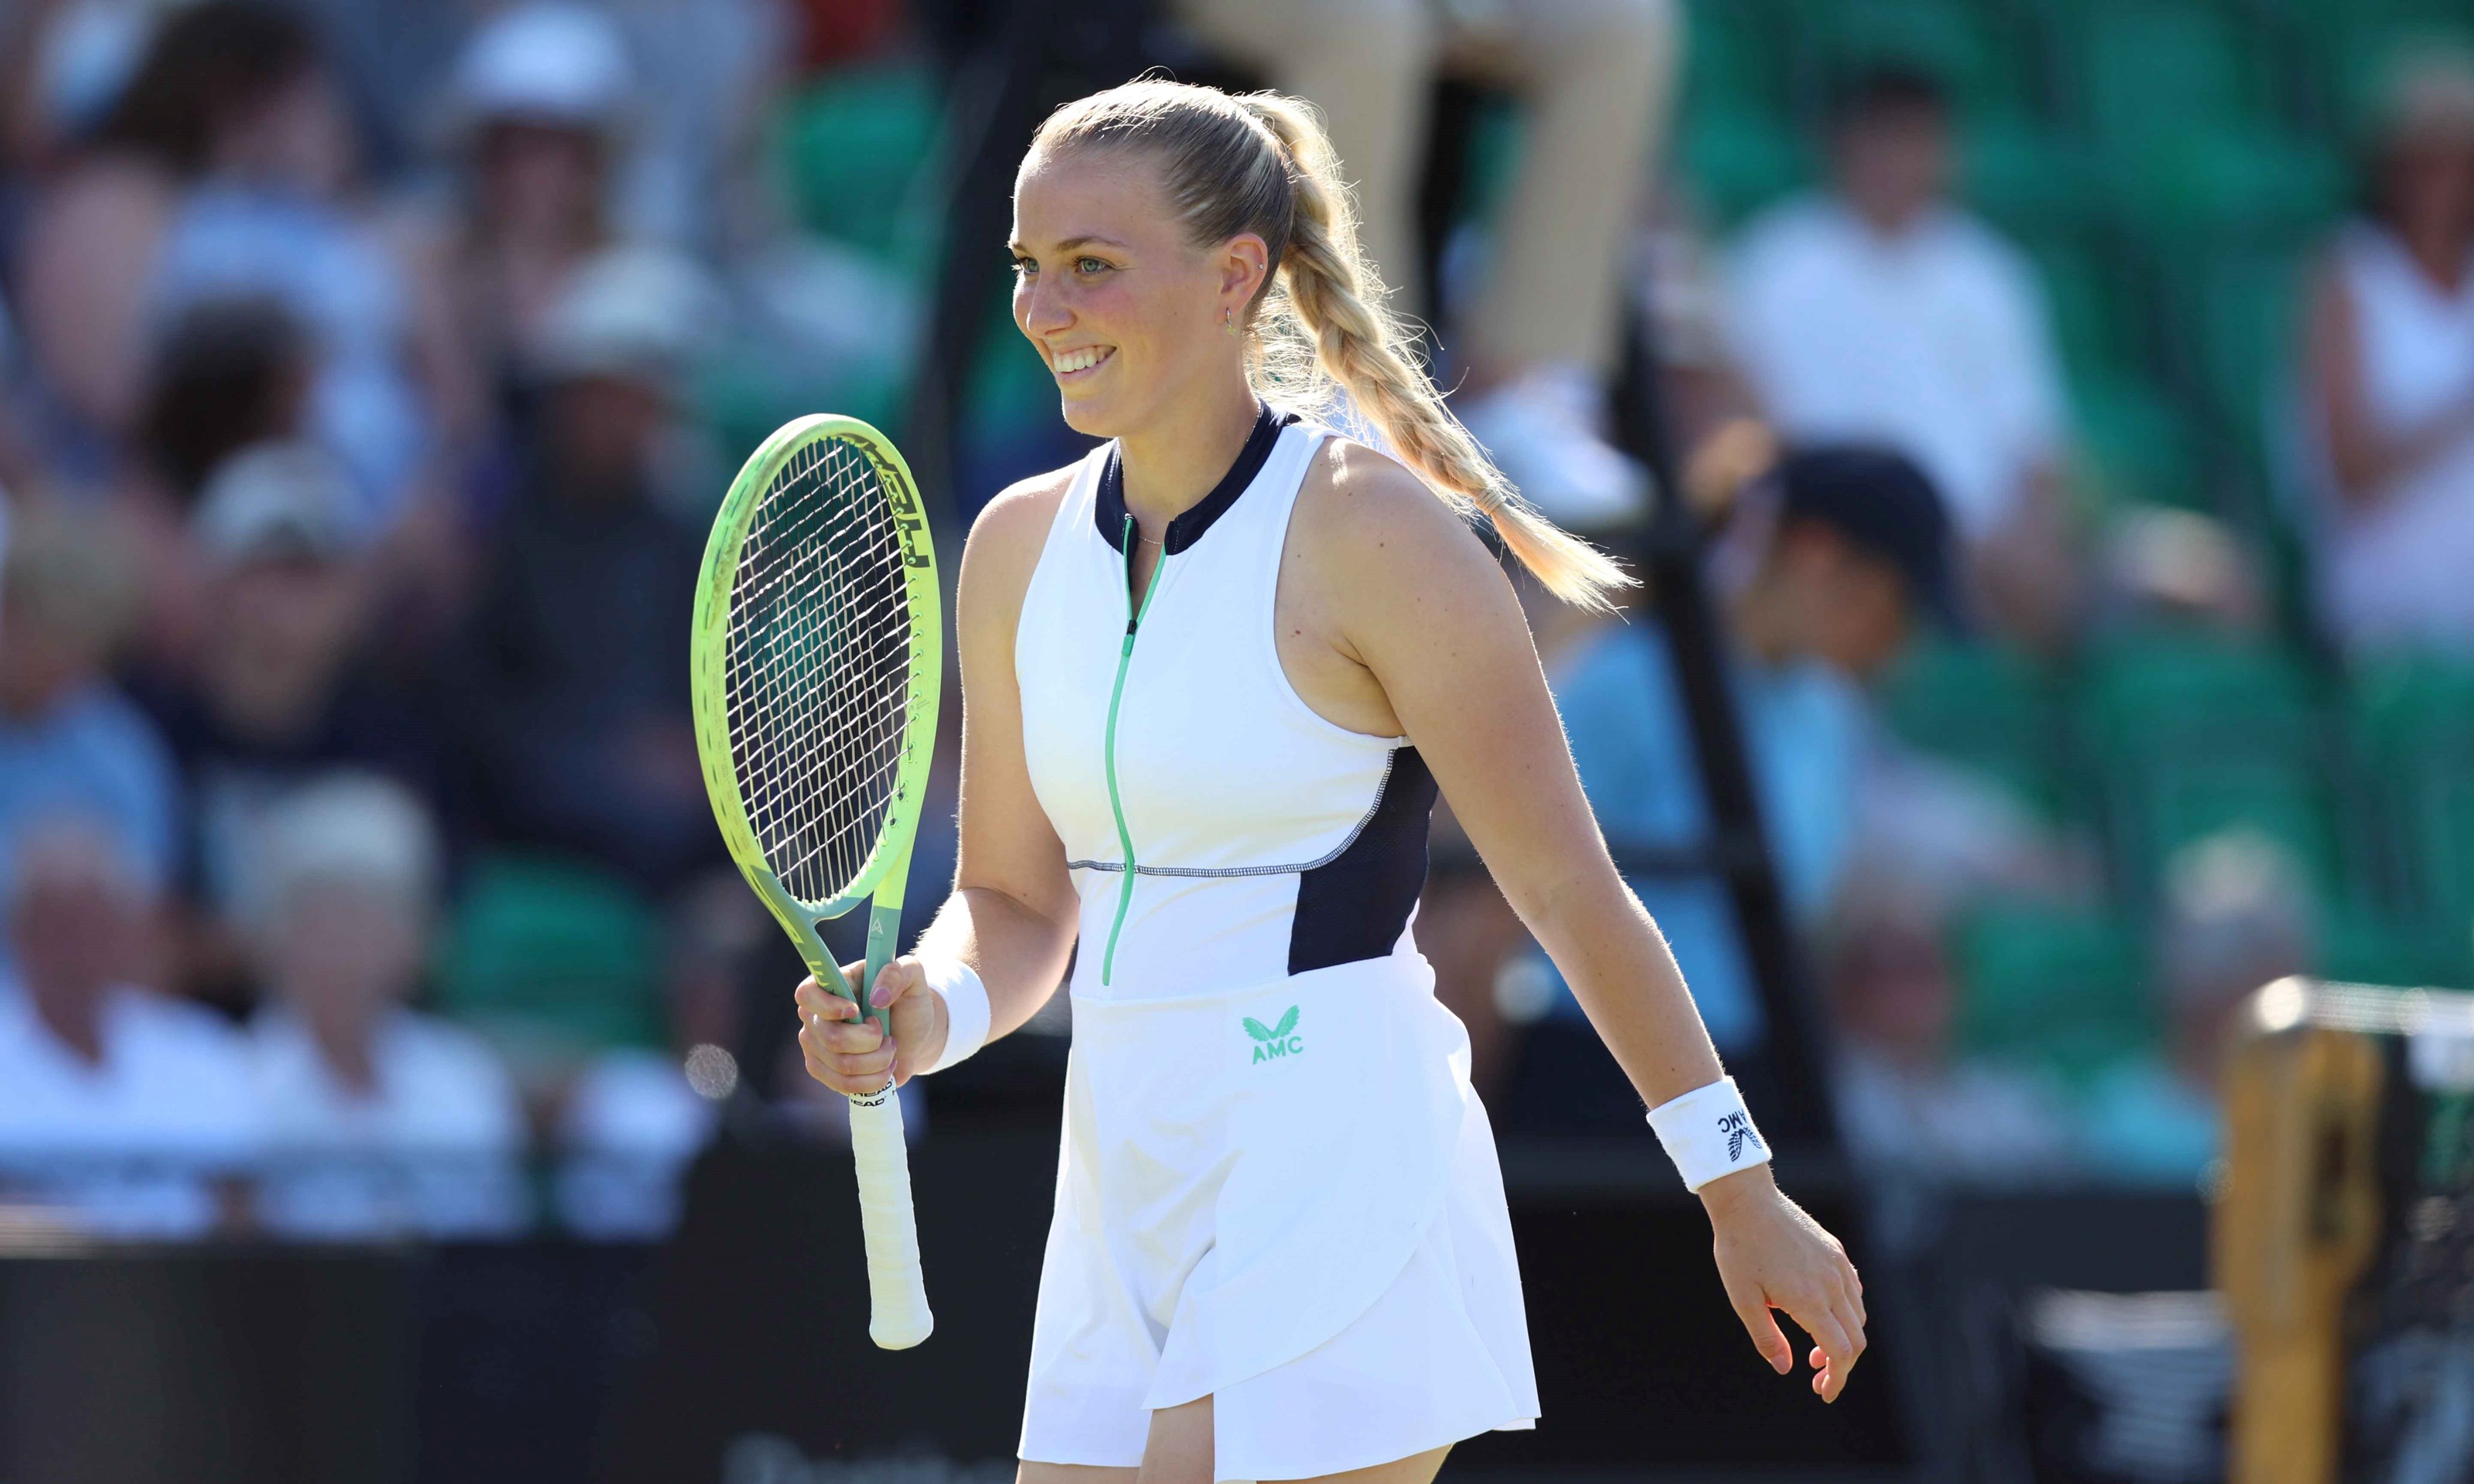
[(1261, 163)]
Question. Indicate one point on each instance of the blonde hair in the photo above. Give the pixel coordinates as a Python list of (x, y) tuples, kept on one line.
[(1261, 164)]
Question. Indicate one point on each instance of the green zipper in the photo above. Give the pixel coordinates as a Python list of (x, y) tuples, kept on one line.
[(1116, 693)]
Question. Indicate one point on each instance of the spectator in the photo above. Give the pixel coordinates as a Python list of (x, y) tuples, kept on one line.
[(1542, 337), (380, 1121), (226, 167), (2391, 374), (634, 1119), (580, 734), (711, 78), (68, 738), (1884, 312), (536, 107), (128, 1113), (1907, 1102), (231, 372), (1849, 552), (1678, 285), (2237, 912), (274, 697)]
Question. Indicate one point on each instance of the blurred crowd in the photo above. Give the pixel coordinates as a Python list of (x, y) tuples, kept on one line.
[(358, 874), (369, 368)]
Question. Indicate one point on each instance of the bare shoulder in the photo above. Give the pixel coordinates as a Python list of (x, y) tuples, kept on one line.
[(1003, 546), (1364, 514)]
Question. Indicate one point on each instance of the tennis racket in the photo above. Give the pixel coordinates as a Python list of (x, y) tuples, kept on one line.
[(817, 660)]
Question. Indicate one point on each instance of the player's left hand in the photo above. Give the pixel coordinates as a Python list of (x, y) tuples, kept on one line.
[(1773, 1256)]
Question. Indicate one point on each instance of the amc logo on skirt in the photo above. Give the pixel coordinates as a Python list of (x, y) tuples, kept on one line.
[(1275, 1041)]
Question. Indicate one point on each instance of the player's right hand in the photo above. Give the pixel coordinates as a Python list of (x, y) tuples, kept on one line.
[(843, 1048)]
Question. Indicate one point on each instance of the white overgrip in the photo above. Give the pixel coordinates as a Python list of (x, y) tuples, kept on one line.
[(897, 1316)]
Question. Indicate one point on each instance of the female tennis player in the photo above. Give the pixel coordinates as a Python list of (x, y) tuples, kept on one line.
[(1213, 676)]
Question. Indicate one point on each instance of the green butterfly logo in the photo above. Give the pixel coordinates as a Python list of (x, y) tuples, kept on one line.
[(1275, 1041)]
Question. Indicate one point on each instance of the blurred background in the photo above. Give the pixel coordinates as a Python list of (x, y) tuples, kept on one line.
[(396, 1083)]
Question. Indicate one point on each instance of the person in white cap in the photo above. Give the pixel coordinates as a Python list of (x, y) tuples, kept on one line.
[(126, 1113), (274, 691), (578, 708), (380, 1120), (536, 112)]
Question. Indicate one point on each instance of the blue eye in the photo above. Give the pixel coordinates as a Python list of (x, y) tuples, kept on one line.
[(1089, 265), (1024, 267)]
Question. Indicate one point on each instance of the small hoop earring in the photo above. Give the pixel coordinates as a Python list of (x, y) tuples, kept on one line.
[(1229, 320)]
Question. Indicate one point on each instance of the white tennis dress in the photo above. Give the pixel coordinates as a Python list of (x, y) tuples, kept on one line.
[(1276, 1188)]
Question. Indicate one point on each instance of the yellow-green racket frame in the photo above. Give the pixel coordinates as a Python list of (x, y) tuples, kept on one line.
[(883, 877)]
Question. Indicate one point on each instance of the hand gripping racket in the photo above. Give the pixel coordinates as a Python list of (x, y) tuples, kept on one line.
[(817, 660)]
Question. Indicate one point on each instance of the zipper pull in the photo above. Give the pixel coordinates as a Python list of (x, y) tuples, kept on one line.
[(1132, 615)]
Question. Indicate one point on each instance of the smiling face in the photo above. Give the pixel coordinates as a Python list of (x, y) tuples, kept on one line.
[(1127, 311)]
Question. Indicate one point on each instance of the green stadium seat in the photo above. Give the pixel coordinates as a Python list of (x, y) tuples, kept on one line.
[(1730, 65), (2061, 986), (2234, 314), (2028, 179), (2365, 946), (2173, 691), (1010, 388), (2179, 109), (853, 147), (1985, 707), (2414, 727), (1739, 162), (2135, 444), (2152, 70), (2092, 309), (2190, 736), (2178, 801), (1981, 61), (552, 958)]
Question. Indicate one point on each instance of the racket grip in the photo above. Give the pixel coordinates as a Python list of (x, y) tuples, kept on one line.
[(897, 1316)]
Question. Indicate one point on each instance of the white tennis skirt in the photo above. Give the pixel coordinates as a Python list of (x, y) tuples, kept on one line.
[(1283, 1197)]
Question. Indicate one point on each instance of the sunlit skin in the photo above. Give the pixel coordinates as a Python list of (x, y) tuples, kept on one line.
[(1819, 595), (280, 631), (1393, 619), (342, 955), (1100, 266), (1894, 164)]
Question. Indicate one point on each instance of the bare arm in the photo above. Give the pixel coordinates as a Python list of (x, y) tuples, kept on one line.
[(1013, 912), (2362, 455), (2023, 571), (1422, 606), (1435, 620)]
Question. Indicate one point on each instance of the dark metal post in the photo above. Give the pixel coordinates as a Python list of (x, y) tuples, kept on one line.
[(1668, 559)]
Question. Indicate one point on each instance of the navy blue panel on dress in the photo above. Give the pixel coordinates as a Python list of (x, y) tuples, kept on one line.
[(1354, 906)]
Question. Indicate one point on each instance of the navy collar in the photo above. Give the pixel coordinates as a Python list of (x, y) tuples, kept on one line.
[(1109, 509)]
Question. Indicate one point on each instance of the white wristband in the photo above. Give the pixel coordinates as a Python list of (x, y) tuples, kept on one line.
[(967, 1010), (1708, 1132)]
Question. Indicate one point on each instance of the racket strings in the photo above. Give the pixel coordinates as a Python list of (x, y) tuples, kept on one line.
[(817, 669), (832, 758), (835, 791)]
